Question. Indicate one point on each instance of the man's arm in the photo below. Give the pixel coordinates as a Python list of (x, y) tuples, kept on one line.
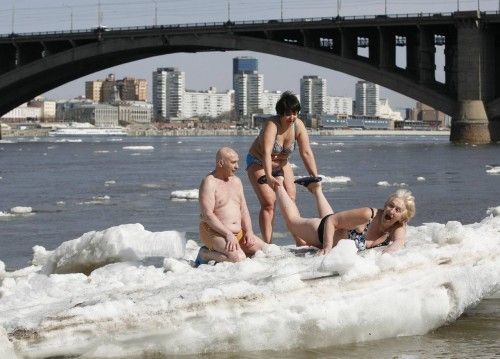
[(246, 220), (207, 208)]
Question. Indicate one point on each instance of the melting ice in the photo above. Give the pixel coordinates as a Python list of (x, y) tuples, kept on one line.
[(129, 292)]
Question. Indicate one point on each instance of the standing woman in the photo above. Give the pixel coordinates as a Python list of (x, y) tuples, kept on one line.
[(268, 158)]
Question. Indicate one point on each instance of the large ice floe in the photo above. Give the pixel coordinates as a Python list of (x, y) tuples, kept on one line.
[(126, 292)]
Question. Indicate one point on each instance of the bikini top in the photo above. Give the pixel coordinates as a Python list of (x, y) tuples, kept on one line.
[(360, 238), (278, 148)]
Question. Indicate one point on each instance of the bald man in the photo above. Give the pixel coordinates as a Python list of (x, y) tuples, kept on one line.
[(225, 226)]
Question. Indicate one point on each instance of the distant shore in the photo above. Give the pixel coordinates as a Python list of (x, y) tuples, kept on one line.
[(239, 132)]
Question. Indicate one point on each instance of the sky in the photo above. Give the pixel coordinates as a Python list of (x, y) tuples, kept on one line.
[(212, 69)]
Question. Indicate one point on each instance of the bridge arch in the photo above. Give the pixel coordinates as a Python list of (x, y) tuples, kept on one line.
[(42, 75)]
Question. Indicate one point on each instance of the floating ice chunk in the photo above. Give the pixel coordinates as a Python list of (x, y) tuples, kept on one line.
[(129, 309), (60, 203), (293, 165), (75, 140), (190, 194), (335, 179), (20, 210), (109, 183), (387, 184), (116, 244), (314, 143), (494, 211), (101, 151), (139, 148), (420, 179), (493, 170), (98, 200), (337, 151)]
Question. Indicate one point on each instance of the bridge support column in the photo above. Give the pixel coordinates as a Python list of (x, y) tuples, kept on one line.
[(475, 82), (387, 50), (426, 62), (470, 124)]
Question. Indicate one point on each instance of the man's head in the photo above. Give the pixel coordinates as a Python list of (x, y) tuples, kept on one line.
[(226, 162)]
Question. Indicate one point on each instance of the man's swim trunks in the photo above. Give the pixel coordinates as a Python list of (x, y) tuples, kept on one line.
[(207, 235)]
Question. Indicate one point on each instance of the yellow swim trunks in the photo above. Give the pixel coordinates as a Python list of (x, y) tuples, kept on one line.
[(207, 235)]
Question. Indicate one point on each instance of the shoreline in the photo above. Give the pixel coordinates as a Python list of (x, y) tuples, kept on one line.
[(188, 132)]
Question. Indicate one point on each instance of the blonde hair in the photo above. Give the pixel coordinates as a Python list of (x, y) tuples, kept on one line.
[(409, 201)]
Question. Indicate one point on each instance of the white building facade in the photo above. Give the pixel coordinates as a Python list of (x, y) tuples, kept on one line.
[(338, 105), (367, 99), (269, 99), (385, 111), (207, 103), (248, 93), (312, 95), (24, 113), (168, 93)]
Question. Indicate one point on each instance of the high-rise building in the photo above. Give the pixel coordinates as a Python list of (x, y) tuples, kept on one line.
[(245, 65), (132, 89), (127, 89), (93, 90), (248, 86), (248, 94), (168, 93), (367, 99), (312, 95)]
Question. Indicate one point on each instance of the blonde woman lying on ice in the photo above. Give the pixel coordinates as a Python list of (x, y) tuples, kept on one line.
[(368, 227)]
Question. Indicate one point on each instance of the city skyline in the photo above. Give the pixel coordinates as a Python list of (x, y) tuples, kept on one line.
[(280, 73)]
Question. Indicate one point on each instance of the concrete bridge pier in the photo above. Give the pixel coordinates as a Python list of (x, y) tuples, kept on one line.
[(470, 124), (475, 82)]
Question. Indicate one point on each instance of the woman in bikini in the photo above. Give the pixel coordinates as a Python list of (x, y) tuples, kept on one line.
[(368, 227), (268, 158)]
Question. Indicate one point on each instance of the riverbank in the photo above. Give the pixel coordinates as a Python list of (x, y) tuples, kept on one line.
[(237, 132)]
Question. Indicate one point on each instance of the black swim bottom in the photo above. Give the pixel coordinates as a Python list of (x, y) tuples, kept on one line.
[(321, 227)]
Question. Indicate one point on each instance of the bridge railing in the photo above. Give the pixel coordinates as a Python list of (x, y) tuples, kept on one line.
[(269, 22)]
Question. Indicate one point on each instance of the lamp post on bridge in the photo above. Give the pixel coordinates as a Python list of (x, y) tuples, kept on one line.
[(99, 14), (71, 15), (282, 10), (13, 17), (228, 10), (385, 7), (156, 12), (339, 3)]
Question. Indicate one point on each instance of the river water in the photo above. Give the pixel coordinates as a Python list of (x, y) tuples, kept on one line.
[(79, 185)]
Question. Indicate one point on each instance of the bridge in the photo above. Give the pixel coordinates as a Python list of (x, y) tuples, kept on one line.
[(361, 46)]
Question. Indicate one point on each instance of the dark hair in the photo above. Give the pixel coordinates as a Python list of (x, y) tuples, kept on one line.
[(288, 102)]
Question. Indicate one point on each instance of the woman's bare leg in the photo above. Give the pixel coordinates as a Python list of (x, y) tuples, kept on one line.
[(322, 203), (305, 228), (292, 193), (267, 198)]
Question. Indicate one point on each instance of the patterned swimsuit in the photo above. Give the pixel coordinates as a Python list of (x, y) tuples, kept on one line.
[(278, 149), (358, 238)]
